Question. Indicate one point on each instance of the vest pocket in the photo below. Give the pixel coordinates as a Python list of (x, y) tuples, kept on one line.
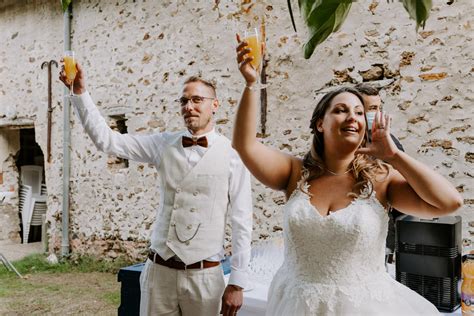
[(186, 232)]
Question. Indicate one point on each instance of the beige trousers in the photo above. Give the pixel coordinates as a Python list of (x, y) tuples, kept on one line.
[(193, 292)]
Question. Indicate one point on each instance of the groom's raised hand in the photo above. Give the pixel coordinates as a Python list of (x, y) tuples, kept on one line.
[(79, 85)]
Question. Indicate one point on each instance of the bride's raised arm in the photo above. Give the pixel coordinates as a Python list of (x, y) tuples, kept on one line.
[(413, 187), (271, 167)]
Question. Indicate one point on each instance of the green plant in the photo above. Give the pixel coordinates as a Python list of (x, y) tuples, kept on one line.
[(323, 17), (65, 4), (37, 263), (112, 297)]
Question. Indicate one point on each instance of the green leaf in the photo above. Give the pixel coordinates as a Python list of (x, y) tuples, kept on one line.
[(322, 17), (65, 4), (306, 6), (419, 10)]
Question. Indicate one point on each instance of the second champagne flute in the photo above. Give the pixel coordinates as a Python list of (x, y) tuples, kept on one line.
[(70, 69), (254, 41)]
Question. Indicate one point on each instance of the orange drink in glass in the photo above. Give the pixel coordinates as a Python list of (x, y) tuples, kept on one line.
[(254, 43), (70, 67)]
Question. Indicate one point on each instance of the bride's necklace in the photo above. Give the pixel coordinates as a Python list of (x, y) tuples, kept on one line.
[(337, 174)]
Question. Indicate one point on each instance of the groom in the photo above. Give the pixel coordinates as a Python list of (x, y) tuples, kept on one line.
[(201, 178)]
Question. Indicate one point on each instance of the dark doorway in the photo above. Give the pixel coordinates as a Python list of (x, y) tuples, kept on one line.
[(30, 154)]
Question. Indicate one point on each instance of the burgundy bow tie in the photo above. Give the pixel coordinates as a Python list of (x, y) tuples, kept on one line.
[(188, 141)]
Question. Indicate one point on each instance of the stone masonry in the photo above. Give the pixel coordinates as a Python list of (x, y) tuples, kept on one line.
[(136, 54)]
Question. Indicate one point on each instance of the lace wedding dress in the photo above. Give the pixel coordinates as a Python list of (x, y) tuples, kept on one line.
[(334, 265)]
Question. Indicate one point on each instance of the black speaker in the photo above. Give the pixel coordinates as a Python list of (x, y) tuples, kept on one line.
[(428, 258)]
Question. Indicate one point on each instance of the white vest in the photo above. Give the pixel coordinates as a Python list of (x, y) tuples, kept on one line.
[(191, 219)]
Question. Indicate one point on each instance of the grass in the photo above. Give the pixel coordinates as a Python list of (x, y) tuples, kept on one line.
[(112, 297), (74, 286), (37, 263)]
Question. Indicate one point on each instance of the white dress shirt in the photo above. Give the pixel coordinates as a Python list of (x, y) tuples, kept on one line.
[(148, 149)]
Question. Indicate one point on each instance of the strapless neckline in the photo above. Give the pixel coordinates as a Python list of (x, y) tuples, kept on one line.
[(356, 200)]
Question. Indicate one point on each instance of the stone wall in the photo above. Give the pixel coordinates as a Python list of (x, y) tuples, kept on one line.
[(9, 216), (136, 55)]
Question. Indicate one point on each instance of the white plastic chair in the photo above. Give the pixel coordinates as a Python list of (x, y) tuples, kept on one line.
[(33, 203), (25, 207), (44, 189), (32, 176), (38, 208)]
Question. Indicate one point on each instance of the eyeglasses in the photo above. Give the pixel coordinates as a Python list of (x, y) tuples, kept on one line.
[(195, 100)]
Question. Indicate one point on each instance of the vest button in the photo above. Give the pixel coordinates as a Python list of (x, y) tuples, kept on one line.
[(178, 190), (189, 226), (173, 224)]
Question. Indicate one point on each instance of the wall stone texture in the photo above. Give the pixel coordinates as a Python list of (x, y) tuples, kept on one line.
[(136, 55), (9, 215)]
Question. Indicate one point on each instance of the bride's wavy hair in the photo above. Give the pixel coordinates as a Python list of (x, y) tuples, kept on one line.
[(365, 169)]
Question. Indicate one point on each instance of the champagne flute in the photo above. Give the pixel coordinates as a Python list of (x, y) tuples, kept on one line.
[(254, 41), (70, 68)]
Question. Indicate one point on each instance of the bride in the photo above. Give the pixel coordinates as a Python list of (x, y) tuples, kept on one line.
[(335, 219)]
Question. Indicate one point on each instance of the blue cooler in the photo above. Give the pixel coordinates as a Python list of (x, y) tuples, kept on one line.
[(130, 290)]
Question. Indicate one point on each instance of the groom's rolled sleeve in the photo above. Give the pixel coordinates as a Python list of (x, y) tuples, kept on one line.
[(240, 197)]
